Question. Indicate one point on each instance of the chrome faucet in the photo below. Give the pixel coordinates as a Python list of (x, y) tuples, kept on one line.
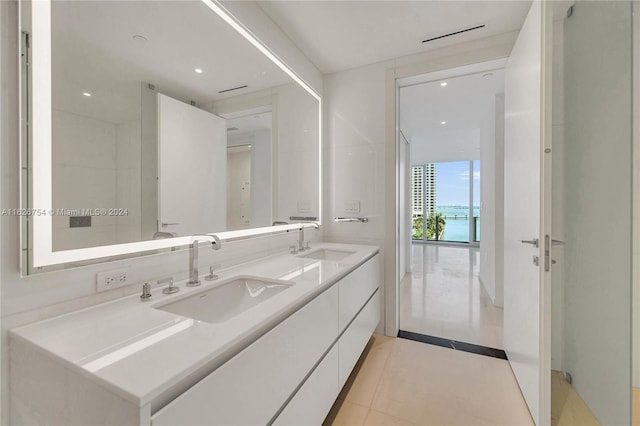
[(193, 256), (301, 246)]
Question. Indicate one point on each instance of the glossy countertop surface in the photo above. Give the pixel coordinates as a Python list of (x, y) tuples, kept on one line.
[(140, 352)]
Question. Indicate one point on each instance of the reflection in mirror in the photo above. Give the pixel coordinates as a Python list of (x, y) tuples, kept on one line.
[(166, 122), (249, 170)]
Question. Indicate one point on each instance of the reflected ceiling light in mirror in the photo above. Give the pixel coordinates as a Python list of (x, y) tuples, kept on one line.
[(87, 94), (443, 122), (198, 70), (229, 19), (444, 83)]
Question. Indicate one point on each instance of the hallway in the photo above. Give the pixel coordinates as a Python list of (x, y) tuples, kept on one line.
[(443, 297)]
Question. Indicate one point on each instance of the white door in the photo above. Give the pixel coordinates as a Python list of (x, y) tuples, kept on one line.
[(526, 208), (192, 172)]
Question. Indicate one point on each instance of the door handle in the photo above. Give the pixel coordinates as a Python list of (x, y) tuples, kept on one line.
[(535, 242), (170, 223), (557, 243)]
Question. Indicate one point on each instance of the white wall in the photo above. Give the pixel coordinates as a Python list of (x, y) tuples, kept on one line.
[(354, 154), (491, 200), (261, 179), (297, 154), (128, 187), (28, 299), (84, 152), (360, 146), (96, 164)]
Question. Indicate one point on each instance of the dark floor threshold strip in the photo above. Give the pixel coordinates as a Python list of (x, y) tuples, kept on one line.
[(453, 344)]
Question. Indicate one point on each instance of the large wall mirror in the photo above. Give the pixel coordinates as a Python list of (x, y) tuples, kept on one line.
[(151, 121)]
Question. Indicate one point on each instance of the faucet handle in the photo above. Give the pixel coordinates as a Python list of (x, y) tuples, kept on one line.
[(171, 289), (211, 276), (146, 292), (294, 249)]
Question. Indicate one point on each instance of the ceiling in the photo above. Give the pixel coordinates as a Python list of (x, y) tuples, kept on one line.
[(94, 51), (247, 125), (464, 105), (339, 35)]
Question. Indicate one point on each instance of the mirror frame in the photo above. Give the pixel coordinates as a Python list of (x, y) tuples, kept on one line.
[(42, 213)]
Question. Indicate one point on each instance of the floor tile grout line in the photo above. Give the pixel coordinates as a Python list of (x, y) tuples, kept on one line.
[(408, 422), (386, 361)]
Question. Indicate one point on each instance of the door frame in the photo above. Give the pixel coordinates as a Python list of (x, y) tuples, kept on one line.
[(492, 57)]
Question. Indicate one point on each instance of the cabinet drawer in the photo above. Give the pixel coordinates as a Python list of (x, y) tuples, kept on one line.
[(312, 402), (355, 338), (356, 288), (251, 387)]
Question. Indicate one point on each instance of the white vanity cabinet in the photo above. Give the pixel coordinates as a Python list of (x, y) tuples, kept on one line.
[(296, 370), (250, 388), (359, 308), (291, 375)]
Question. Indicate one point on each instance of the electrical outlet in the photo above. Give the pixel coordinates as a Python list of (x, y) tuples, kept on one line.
[(111, 279)]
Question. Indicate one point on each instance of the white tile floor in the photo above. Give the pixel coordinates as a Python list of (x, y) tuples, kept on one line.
[(401, 382), (443, 297)]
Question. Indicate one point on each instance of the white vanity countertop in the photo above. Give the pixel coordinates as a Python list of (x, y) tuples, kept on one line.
[(140, 352)]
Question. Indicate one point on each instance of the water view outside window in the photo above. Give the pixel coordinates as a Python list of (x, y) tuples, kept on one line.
[(441, 193)]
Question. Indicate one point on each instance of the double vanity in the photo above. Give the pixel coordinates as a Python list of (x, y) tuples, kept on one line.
[(271, 341)]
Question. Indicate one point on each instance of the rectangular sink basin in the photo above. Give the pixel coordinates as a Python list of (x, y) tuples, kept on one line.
[(328, 254), (228, 300)]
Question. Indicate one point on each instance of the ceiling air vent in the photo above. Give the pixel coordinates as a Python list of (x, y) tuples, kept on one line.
[(452, 34), (233, 88), (232, 129)]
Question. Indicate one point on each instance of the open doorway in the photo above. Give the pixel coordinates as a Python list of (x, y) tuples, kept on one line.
[(249, 171), (452, 129)]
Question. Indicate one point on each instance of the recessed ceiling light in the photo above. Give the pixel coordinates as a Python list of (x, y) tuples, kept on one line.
[(87, 94), (443, 122), (198, 70), (444, 83)]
